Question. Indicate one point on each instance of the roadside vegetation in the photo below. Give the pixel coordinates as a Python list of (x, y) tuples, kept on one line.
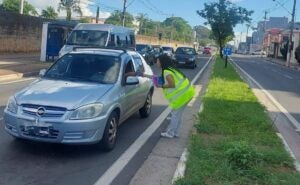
[(235, 142)]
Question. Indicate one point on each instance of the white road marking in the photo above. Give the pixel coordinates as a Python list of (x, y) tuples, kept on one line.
[(21, 80), (1, 119), (288, 149), (295, 123), (289, 77), (123, 160)]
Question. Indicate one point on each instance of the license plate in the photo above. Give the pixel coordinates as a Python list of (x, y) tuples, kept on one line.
[(37, 127), (181, 62)]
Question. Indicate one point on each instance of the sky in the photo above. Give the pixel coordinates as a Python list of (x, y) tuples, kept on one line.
[(161, 9)]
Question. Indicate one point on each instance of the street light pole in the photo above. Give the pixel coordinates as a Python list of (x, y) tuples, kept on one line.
[(288, 62), (124, 10)]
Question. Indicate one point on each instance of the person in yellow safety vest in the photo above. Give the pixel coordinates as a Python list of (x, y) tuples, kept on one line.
[(177, 89)]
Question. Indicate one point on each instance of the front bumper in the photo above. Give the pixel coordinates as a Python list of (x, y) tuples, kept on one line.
[(55, 130)]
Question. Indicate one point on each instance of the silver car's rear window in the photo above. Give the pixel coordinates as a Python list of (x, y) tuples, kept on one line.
[(86, 67)]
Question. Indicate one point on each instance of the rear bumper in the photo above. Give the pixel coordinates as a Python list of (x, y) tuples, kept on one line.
[(59, 131)]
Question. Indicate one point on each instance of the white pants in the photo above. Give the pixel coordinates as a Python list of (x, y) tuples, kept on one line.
[(175, 121)]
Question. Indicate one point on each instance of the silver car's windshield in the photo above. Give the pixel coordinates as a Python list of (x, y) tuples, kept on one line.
[(86, 67), (88, 38)]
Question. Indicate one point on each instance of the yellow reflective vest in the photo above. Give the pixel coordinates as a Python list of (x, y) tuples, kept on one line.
[(182, 93)]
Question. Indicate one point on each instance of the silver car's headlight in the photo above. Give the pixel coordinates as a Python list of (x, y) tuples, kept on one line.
[(12, 105), (87, 111)]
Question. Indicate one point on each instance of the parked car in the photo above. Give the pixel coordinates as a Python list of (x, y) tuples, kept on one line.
[(99, 35), (81, 99), (158, 51), (258, 52), (207, 51), (168, 50), (147, 52), (185, 56)]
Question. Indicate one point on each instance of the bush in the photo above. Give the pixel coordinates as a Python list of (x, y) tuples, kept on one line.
[(243, 156), (297, 54)]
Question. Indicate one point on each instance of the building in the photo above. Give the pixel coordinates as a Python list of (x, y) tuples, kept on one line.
[(262, 26)]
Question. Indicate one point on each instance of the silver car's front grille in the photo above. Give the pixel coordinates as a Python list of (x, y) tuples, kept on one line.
[(49, 111)]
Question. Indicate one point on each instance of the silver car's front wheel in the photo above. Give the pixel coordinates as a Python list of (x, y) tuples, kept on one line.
[(145, 111), (109, 138)]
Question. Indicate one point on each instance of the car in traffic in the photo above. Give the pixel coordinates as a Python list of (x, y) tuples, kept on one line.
[(147, 52), (99, 35), (207, 51), (82, 99), (158, 51), (185, 56), (168, 50)]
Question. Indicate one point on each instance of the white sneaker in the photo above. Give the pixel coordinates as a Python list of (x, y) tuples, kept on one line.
[(166, 135)]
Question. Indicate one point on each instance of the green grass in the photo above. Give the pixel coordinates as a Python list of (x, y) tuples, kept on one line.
[(235, 143)]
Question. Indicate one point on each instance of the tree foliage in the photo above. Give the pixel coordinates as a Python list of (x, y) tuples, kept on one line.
[(179, 29), (70, 6), (203, 35), (49, 13), (116, 19), (14, 6), (142, 19), (222, 17)]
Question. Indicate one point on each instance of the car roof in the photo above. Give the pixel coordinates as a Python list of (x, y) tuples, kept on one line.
[(102, 27), (186, 47), (97, 51)]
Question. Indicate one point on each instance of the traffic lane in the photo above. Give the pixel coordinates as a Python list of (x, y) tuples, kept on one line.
[(281, 70), (40, 163), (284, 90)]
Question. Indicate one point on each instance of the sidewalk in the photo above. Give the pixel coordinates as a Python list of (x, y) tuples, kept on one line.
[(16, 66), (282, 62)]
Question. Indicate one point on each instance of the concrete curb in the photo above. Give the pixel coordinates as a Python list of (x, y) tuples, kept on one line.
[(17, 76), (180, 170)]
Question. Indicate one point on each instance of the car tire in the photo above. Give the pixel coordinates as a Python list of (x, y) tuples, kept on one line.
[(145, 111), (109, 137)]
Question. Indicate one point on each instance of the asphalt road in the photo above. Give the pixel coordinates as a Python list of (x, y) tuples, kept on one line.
[(282, 83), (31, 163)]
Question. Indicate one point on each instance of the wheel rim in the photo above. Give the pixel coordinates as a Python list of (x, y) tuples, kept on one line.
[(112, 131), (148, 104)]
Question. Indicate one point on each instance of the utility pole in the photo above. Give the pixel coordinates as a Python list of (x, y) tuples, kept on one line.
[(288, 62), (265, 22), (21, 6), (97, 15), (124, 11)]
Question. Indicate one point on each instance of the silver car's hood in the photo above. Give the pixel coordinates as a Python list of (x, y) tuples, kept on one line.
[(61, 93)]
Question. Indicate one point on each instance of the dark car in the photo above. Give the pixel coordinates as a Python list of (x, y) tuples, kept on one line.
[(185, 56), (158, 50), (147, 52)]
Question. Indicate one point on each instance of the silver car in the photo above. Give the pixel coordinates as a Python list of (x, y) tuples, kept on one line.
[(82, 98)]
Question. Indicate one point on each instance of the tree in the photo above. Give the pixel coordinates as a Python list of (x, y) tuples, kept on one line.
[(70, 6), (49, 13), (141, 18), (222, 18), (203, 35), (116, 19), (14, 6), (179, 28)]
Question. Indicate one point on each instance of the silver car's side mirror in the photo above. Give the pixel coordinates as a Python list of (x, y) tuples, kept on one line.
[(132, 80), (42, 72)]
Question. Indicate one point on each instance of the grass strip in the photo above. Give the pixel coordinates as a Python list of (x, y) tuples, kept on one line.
[(235, 141)]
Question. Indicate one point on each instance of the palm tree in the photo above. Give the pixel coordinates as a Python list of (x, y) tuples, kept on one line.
[(49, 13), (69, 6), (142, 18)]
